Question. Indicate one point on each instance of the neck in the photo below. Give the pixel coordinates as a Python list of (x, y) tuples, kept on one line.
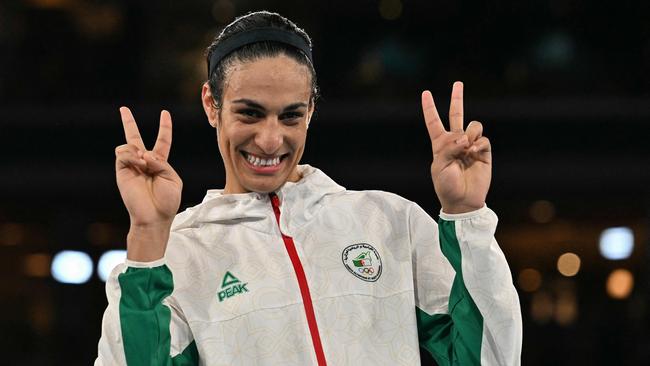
[(233, 185)]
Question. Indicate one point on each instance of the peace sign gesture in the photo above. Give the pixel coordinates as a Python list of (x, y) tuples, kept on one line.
[(462, 159), (149, 186)]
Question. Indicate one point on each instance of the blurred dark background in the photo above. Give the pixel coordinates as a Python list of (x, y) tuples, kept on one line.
[(561, 86)]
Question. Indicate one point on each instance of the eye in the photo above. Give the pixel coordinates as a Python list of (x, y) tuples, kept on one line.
[(250, 113), (291, 116)]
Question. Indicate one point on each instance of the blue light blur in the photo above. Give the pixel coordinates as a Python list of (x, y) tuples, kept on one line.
[(72, 267), (616, 243), (108, 261)]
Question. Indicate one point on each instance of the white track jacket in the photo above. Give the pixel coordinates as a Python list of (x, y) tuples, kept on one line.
[(314, 274)]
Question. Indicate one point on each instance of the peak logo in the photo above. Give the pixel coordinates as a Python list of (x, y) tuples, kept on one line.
[(231, 286)]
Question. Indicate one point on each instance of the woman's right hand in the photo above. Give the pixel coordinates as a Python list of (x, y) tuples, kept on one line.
[(149, 186)]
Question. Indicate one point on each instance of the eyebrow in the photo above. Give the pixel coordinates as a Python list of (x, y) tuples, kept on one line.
[(254, 104)]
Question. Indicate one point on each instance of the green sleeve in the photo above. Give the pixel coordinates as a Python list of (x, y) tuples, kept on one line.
[(145, 320), (453, 338)]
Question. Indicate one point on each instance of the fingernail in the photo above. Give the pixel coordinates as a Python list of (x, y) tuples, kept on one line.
[(474, 149)]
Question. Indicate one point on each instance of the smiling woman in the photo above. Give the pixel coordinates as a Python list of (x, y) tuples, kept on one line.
[(285, 267), (262, 126), (260, 96)]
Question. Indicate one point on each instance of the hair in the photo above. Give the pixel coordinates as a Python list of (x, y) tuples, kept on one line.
[(256, 51)]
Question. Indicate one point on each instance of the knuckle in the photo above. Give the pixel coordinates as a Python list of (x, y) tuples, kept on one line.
[(122, 159), (124, 154), (130, 148)]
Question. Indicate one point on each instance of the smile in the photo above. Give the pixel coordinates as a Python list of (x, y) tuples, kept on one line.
[(258, 161)]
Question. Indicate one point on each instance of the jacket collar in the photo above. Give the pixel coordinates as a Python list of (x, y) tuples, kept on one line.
[(299, 202)]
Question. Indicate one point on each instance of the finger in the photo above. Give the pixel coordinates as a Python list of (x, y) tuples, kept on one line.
[(474, 131), (452, 147), (456, 108), (128, 147), (128, 159), (164, 140), (159, 167), (482, 145), (131, 128), (431, 117)]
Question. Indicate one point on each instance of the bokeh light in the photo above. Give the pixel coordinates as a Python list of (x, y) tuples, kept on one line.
[(37, 265), (529, 279), (99, 233), (616, 243), (542, 211), (11, 233), (566, 308), (72, 267), (568, 264), (542, 307), (223, 11), (390, 9), (108, 261), (620, 283), (555, 50)]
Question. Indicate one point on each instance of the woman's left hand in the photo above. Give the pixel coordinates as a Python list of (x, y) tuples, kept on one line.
[(462, 158)]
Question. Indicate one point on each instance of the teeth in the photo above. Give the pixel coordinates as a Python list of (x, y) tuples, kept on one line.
[(256, 161)]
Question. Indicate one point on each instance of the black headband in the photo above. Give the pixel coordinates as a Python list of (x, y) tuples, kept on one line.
[(253, 36)]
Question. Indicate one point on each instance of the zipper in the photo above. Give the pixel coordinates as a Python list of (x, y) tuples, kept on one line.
[(302, 283)]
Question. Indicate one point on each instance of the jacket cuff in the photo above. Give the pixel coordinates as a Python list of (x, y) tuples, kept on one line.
[(464, 215), (152, 264)]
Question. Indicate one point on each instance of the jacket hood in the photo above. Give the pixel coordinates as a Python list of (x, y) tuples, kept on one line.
[(298, 200)]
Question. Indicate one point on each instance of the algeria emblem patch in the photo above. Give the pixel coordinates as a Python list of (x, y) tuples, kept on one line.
[(363, 261)]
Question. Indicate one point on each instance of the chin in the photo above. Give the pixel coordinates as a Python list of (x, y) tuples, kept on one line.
[(264, 185), (263, 179)]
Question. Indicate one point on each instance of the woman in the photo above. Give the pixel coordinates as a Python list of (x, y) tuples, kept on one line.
[(284, 266)]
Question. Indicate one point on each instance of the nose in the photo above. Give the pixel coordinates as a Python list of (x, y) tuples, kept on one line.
[(269, 137)]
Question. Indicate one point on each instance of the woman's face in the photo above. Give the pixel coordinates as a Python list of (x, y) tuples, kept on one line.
[(262, 126)]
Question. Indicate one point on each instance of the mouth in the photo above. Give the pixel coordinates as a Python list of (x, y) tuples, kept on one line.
[(264, 164)]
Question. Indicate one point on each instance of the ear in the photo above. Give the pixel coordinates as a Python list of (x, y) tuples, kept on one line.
[(208, 106)]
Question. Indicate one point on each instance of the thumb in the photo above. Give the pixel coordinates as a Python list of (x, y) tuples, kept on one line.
[(453, 147), (157, 166)]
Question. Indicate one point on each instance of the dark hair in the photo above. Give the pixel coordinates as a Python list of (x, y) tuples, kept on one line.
[(258, 50)]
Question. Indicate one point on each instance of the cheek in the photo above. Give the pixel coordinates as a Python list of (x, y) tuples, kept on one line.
[(233, 136), (301, 137)]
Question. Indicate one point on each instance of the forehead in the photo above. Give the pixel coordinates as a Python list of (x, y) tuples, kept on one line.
[(273, 81)]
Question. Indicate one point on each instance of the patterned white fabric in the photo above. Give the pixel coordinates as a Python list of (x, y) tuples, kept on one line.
[(359, 322)]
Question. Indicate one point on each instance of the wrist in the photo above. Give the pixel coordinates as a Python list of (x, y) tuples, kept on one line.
[(150, 227), (147, 243), (460, 209)]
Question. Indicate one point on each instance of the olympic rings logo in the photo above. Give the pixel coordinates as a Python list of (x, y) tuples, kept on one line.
[(366, 270)]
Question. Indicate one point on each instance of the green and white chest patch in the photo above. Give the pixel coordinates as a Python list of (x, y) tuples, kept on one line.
[(363, 261), (231, 286)]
